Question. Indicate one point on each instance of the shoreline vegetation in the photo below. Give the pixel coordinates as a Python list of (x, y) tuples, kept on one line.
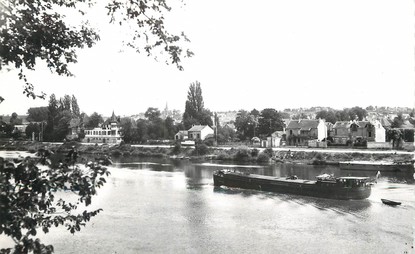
[(202, 152)]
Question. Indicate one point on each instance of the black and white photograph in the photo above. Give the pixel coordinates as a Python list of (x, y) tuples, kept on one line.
[(195, 126)]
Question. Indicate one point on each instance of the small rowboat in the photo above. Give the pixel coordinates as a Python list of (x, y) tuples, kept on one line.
[(390, 202)]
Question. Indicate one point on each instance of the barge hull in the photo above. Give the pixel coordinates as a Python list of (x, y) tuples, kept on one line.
[(321, 189)]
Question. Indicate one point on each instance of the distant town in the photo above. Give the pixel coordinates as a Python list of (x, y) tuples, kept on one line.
[(370, 127)]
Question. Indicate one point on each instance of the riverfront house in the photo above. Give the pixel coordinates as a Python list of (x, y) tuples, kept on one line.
[(108, 132), (371, 131), (200, 132), (299, 132)]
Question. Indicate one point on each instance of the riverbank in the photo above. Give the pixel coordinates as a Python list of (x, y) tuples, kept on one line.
[(203, 152)]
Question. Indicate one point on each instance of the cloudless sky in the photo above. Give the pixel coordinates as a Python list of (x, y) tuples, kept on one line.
[(248, 54)]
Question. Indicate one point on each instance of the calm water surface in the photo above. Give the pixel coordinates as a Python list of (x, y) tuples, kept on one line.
[(163, 206)]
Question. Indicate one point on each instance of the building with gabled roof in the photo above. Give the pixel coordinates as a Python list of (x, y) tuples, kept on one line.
[(298, 132), (181, 135), (200, 132), (108, 132), (371, 131)]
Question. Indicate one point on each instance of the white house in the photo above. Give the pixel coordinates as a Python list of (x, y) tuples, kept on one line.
[(108, 132), (200, 132)]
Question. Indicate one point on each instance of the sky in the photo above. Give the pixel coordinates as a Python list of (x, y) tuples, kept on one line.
[(248, 54)]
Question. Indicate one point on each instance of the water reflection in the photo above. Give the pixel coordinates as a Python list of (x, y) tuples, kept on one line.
[(339, 206), (199, 172)]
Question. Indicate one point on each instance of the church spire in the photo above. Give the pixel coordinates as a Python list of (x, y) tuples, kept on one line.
[(113, 117)]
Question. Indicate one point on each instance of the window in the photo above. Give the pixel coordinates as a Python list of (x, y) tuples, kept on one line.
[(291, 132), (370, 134)]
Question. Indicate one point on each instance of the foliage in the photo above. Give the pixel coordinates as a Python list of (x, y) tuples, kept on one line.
[(14, 119), (202, 149), (94, 120), (395, 135), (32, 128), (195, 112), (242, 154), (299, 116), (29, 194), (254, 152), (245, 123), (38, 114), (152, 114), (263, 157), (397, 121), (225, 134), (209, 141), (269, 121), (177, 148), (37, 30), (329, 116), (142, 130)]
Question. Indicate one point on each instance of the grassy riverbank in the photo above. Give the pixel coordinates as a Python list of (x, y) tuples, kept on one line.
[(203, 152)]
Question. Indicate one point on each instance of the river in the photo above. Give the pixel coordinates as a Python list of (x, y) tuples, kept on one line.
[(165, 206)]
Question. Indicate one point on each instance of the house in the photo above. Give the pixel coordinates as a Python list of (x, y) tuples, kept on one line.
[(200, 132), (275, 139), (371, 131), (181, 135), (108, 132), (230, 126), (298, 132), (341, 132), (75, 128)]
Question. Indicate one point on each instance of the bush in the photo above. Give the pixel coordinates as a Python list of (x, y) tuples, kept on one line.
[(269, 151), (254, 152), (202, 149), (263, 157), (177, 148), (116, 153), (209, 142), (223, 155), (242, 154)]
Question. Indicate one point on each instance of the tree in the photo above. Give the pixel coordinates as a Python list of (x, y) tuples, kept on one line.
[(170, 130), (245, 125), (66, 102), (300, 116), (152, 114), (94, 120), (142, 130), (357, 113), (269, 121), (75, 107), (28, 198), (195, 112), (127, 129), (396, 136), (342, 115), (52, 117), (398, 121), (15, 119), (38, 114), (33, 31), (62, 126), (32, 128), (329, 116)]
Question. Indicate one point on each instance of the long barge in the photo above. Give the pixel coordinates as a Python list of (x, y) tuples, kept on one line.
[(345, 188)]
